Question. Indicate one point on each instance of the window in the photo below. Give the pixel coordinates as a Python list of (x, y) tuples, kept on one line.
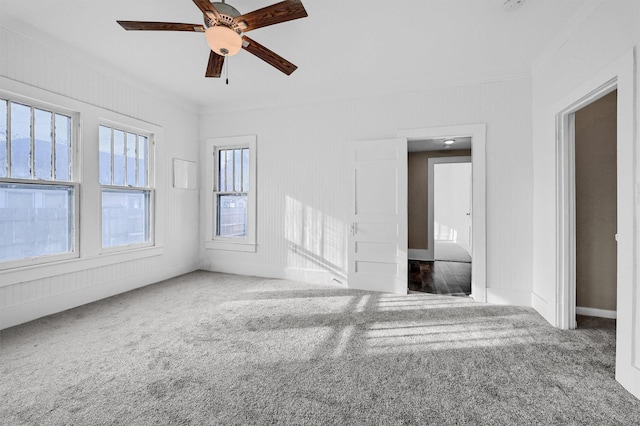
[(232, 192), (231, 185), (127, 197), (37, 196)]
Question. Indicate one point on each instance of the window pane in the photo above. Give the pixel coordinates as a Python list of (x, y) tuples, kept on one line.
[(118, 157), (232, 216), (131, 159), (42, 133), (35, 220), (143, 161), (222, 170), (105, 155), (229, 170), (125, 217), (63, 147), (237, 161), (245, 170), (3, 138), (20, 141)]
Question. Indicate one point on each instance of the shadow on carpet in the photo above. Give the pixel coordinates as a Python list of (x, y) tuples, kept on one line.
[(208, 348)]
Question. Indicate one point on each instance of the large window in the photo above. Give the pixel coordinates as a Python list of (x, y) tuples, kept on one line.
[(127, 196), (232, 189), (37, 195)]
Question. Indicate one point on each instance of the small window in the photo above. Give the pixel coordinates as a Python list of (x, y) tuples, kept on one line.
[(127, 197), (37, 195), (233, 193)]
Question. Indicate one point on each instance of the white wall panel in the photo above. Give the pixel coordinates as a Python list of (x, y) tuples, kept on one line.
[(302, 179), (32, 69), (509, 184)]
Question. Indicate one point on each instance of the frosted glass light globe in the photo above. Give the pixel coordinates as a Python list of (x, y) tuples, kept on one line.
[(223, 40)]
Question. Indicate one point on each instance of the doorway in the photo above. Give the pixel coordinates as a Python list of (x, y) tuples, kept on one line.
[(595, 149), (557, 302), (476, 136), (439, 215)]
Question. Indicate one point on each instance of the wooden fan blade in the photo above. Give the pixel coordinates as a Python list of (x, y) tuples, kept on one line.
[(280, 12), (268, 56), (160, 26), (207, 8), (214, 67)]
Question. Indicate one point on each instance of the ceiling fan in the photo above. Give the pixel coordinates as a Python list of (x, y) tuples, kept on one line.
[(224, 29)]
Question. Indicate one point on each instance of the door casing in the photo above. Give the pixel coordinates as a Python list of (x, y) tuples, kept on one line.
[(620, 75), (477, 132)]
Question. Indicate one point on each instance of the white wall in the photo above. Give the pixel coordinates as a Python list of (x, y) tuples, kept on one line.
[(302, 177), (598, 48), (607, 33), (35, 69)]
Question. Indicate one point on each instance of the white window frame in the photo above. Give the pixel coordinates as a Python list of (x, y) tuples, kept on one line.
[(213, 241), (71, 183), (150, 135)]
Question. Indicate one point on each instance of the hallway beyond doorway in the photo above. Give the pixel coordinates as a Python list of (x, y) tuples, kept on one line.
[(438, 277), (450, 251)]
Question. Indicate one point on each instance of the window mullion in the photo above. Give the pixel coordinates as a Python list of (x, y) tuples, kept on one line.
[(112, 156), (234, 169), (137, 155), (53, 145), (9, 139), (32, 156), (125, 159)]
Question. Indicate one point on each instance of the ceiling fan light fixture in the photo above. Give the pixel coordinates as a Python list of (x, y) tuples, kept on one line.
[(223, 40)]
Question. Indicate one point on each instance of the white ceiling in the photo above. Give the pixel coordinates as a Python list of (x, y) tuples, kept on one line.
[(344, 48)]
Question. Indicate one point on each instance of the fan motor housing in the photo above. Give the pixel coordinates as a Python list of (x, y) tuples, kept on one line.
[(227, 13)]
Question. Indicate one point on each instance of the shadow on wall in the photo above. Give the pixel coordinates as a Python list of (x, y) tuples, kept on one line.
[(316, 241)]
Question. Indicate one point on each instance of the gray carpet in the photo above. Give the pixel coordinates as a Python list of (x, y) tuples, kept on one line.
[(209, 348), (450, 251)]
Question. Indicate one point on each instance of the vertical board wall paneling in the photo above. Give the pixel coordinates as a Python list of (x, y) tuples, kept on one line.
[(510, 189), (302, 174), (33, 69)]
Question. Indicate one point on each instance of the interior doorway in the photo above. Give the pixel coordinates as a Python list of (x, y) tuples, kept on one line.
[(595, 173), (476, 133), (439, 210), (557, 302)]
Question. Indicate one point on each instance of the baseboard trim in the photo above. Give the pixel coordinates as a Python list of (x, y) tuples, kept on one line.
[(505, 296), (311, 276), (13, 315), (593, 312), (420, 254)]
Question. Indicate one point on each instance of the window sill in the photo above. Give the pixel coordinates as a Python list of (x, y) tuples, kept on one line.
[(131, 248), (231, 246), (51, 269)]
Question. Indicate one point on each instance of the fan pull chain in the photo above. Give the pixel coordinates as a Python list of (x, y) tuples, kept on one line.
[(226, 64)]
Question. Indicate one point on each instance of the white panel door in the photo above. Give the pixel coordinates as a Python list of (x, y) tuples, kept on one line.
[(378, 216)]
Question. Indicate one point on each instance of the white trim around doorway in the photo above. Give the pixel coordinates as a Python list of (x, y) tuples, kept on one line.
[(477, 132), (620, 75)]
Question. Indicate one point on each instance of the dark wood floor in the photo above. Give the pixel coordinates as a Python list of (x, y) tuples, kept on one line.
[(595, 323), (439, 277)]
